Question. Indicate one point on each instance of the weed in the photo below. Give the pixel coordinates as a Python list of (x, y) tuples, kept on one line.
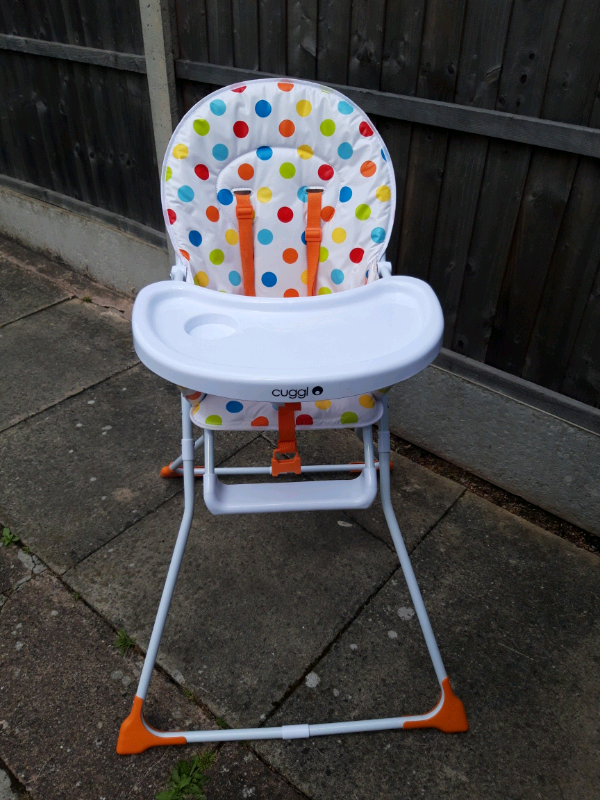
[(124, 642), (188, 693), (26, 550), (188, 779), (86, 299), (221, 723), (75, 595), (8, 537)]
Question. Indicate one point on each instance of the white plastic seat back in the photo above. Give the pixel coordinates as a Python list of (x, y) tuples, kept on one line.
[(276, 139)]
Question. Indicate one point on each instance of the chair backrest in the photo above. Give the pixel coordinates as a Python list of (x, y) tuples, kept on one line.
[(278, 138)]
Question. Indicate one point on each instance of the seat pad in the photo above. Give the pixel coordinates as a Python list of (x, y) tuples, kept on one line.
[(221, 413)]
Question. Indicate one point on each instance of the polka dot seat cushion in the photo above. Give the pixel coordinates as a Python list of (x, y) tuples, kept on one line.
[(278, 139)]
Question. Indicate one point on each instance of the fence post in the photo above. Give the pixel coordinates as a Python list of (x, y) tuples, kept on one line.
[(160, 68)]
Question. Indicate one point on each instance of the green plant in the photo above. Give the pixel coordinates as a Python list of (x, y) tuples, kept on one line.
[(26, 550), (188, 693), (124, 642), (188, 779), (86, 299), (76, 595), (221, 723), (8, 537)]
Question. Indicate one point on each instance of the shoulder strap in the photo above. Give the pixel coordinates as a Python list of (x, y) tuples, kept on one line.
[(244, 213), (312, 235)]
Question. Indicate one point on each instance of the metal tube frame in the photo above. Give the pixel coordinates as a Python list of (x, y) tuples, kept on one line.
[(448, 715)]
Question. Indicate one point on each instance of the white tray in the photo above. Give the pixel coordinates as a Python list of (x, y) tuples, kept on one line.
[(259, 348)]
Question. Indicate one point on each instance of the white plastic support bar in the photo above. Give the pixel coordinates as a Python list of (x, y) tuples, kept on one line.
[(309, 468), (179, 460)]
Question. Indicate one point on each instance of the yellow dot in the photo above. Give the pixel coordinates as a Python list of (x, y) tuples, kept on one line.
[(196, 409), (231, 236), (323, 404), (304, 277), (180, 151), (201, 279), (303, 107), (264, 195), (323, 254), (338, 235), (366, 401), (383, 193), (305, 151), (324, 290)]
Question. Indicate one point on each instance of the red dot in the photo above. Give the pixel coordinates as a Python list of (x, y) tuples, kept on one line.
[(201, 171), (356, 255), (365, 129), (185, 254), (239, 89), (291, 293), (240, 129), (285, 214), (172, 215), (327, 213), (325, 172), (304, 419), (259, 422)]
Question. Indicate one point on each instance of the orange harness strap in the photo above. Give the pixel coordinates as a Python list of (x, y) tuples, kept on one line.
[(313, 237), (244, 213), (287, 444)]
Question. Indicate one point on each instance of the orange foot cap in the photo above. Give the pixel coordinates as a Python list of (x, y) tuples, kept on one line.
[(134, 736), (451, 718)]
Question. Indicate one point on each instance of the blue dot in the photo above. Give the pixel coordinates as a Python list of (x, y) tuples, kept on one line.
[(234, 406), (344, 107), (345, 150), (217, 107), (367, 274), (337, 276), (225, 197), (303, 237), (185, 193), (195, 238), (262, 108), (264, 153), (303, 194), (345, 194), (378, 235), (264, 236), (235, 278), (269, 279), (383, 155), (220, 152)]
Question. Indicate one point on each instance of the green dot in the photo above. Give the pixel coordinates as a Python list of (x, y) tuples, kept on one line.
[(324, 290), (385, 390), (328, 127), (363, 211), (215, 419), (347, 418), (323, 254), (169, 174), (201, 127), (217, 256), (287, 170)]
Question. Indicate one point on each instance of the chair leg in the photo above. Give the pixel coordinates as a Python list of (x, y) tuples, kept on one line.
[(449, 715), (135, 736)]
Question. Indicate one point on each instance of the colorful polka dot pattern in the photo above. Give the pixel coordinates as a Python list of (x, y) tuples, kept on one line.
[(277, 139), (220, 412)]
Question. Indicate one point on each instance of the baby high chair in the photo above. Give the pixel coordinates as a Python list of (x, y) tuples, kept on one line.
[(278, 197)]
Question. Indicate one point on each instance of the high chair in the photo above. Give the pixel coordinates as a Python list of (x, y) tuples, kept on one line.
[(278, 197)]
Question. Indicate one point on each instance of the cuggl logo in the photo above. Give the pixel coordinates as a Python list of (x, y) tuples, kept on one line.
[(294, 394)]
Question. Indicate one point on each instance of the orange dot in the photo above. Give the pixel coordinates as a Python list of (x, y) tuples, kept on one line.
[(327, 213), (246, 172), (212, 213), (287, 127), (259, 422), (286, 87), (291, 293), (290, 255), (367, 169), (185, 254)]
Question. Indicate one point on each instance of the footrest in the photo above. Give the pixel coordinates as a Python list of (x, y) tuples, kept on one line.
[(259, 498)]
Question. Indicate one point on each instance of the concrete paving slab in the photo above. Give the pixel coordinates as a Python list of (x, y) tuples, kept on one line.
[(515, 610), (64, 693), (20, 295), (258, 599), (77, 475), (60, 351), (238, 773)]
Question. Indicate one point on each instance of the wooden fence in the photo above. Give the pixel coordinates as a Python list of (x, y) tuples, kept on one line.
[(490, 110)]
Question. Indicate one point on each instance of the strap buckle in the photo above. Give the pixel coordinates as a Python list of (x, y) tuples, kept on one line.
[(313, 234), (286, 445)]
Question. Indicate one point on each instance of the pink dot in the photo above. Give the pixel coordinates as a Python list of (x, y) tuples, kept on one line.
[(285, 214), (356, 255), (240, 129), (172, 215), (239, 89), (304, 419), (201, 171), (325, 172), (365, 129)]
